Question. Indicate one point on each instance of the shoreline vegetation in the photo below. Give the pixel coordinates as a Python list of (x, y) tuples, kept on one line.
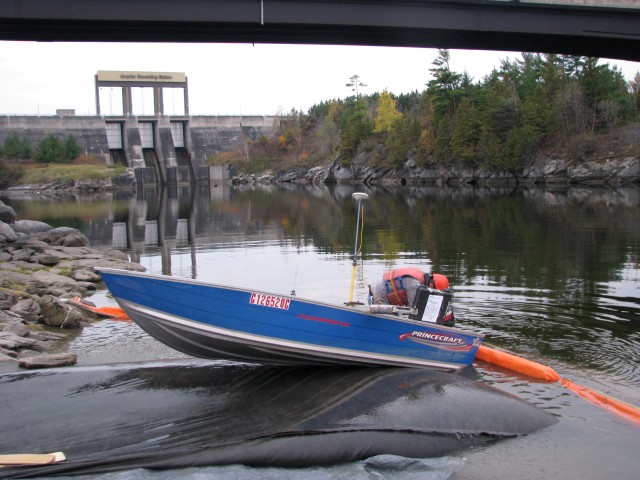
[(539, 120)]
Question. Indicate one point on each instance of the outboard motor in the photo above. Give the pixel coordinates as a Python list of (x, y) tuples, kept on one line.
[(433, 306)]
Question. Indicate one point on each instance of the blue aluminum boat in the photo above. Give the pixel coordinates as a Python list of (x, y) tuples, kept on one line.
[(222, 322)]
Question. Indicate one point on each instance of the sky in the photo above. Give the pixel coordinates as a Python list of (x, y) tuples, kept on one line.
[(37, 78)]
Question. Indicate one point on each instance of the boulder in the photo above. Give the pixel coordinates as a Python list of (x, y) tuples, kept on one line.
[(48, 260), (7, 214), (106, 262), (27, 308), (7, 317), (19, 329), (85, 275), (43, 335), (630, 169), (64, 236), (7, 300), (25, 241), (11, 341), (47, 278), (7, 235), (22, 255), (60, 293), (7, 354), (58, 314), (49, 361), (30, 226)]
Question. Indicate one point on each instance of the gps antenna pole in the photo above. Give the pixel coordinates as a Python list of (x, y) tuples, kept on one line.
[(358, 197)]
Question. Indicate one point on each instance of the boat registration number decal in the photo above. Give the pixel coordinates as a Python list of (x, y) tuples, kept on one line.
[(270, 301)]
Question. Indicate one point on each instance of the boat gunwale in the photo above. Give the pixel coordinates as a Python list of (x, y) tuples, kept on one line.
[(171, 278), (261, 342)]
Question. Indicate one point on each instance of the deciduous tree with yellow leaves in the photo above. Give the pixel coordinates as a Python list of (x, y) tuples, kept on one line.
[(387, 113)]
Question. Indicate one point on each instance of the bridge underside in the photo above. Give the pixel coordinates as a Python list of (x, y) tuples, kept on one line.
[(454, 24)]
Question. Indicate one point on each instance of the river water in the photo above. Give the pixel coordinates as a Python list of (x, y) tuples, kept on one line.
[(552, 275)]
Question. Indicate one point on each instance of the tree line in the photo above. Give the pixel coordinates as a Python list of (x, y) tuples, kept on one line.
[(50, 150), (499, 122)]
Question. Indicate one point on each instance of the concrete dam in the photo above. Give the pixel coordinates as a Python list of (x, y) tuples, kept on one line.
[(162, 150)]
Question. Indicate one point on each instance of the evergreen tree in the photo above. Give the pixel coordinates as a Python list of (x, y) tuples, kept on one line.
[(466, 132), (71, 148), (635, 93), (445, 88), (50, 150), (403, 136), (355, 127), (16, 147)]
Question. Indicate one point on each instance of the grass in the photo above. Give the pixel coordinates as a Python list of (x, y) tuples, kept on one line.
[(38, 173)]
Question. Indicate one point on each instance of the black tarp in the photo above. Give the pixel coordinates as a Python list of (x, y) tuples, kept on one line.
[(196, 413)]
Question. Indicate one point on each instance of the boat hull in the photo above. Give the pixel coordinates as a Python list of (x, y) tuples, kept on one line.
[(221, 322)]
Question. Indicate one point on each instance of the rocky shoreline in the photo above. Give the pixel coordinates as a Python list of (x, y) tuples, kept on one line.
[(41, 268), (610, 171)]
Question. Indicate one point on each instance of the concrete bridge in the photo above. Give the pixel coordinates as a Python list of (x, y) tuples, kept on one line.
[(174, 149), (597, 28)]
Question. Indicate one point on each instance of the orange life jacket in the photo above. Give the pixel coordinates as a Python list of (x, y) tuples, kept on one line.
[(396, 293)]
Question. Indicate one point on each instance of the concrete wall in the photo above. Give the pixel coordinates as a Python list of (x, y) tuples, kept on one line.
[(89, 132), (204, 136), (212, 135)]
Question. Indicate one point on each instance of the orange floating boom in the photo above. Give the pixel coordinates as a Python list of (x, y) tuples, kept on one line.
[(618, 407), (542, 372), (517, 364)]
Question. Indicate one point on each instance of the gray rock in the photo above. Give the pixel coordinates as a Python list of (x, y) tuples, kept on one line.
[(7, 214), (58, 314), (5, 257), (22, 255), (19, 329), (105, 262), (11, 341), (115, 255), (49, 361), (7, 235), (7, 300), (24, 241), (64, 236), (60, 292), (9, 278), (43, 335), (48, 260), (27, 308), (87, 286), (8, 317), (30, 226), (630, 169), (47, 278), (85, 275), (7, 354)]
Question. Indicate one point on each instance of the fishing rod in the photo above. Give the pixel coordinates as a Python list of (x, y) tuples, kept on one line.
[(358, 197)]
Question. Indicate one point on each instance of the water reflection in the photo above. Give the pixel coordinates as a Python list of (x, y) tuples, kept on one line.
[(551, 273)]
